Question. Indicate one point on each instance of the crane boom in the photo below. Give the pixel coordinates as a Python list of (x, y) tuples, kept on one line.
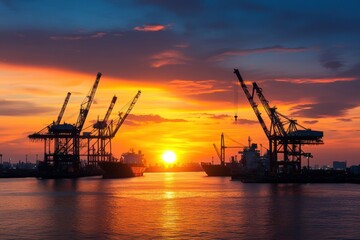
[(122, 119), (111, 107), (250, 97), (271, 112), (217, 151), (103, 123), (87, 103), (283, 134), (61, 114)]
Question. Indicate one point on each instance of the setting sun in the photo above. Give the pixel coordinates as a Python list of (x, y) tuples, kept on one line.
[(169, 157)]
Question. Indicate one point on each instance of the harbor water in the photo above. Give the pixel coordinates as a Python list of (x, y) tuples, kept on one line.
[(176, 206)]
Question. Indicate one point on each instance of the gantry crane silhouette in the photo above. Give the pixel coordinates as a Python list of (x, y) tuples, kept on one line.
[(63, 142), (286, 137)]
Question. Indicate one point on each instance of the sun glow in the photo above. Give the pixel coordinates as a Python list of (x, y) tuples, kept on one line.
[(169, 157)]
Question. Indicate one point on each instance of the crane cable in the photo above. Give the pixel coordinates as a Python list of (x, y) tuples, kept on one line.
[(236, 101)]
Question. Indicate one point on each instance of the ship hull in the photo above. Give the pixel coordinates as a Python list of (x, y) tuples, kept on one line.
[(46, 172), (121, 170), (216, 170)]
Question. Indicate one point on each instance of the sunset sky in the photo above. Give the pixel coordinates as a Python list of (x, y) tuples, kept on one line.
[(181, 55)]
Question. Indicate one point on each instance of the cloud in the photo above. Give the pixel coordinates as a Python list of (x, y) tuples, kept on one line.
[(220, 116), (344, 119), (246, 121), (311, 122), (168, 57), (315, 80), (136, 120), (314, 100), (245, 52), (151, 28), (182, 45), (36, 91), (330, 59), (214, 116), (119, 57), (21, 108), (113, 55), (189, 87), (227, 116), (79, 37), (323, 109)]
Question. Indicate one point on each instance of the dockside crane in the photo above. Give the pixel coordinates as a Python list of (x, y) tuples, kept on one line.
[(62, 141), (218, 153), (254, 106), (121, 118), (62, 111), (221, 153), (98, 148), (285, 135), (86, 104), (102, 124), (103, 151)]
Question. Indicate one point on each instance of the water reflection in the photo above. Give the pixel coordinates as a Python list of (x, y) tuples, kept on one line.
[(175, 206), (286, 211)]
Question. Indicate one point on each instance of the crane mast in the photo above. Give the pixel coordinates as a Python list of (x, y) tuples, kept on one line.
[(122, 119), (61, 114), (99, 140), (103, 123), (99, 148), (254, 106), (217, 152), (222, 149), (86, 104), (221, 153), (271, 112), (111, 107)]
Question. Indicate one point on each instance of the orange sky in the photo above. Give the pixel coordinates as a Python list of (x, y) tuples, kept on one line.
[(166, 116), (305, 57)]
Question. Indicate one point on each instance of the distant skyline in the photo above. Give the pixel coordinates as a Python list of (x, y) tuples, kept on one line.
[(181, 54)]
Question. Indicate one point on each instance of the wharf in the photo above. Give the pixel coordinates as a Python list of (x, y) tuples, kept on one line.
[(332, 176)]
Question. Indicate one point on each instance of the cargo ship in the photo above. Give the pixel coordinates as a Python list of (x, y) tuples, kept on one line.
[(223, 169), (216, 170), (251, 160), (131, 164), (255, 168), (50, 172)]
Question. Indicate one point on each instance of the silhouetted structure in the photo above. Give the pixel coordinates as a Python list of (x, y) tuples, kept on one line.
[(63, 143), (285, 135)]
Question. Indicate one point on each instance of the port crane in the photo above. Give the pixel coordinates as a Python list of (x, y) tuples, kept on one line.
[(103, 133), (221, 153), (218, 154), (62, 141), (286, 137), (98, 148), (121, 119), (62, 111), (86, 104)]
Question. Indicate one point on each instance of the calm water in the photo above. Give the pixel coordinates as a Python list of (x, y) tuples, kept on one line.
[(176, 206)]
